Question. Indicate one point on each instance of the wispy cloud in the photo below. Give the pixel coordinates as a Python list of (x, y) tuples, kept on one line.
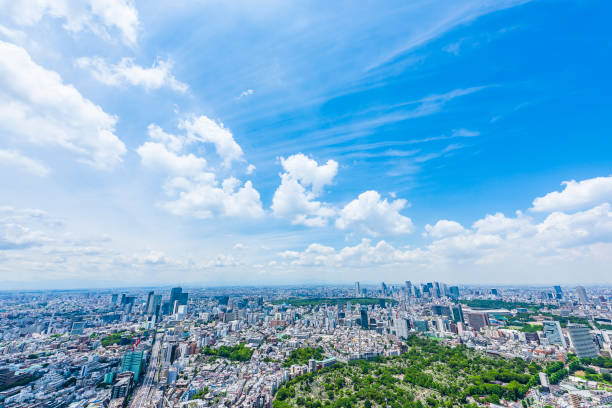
[(16, 159)]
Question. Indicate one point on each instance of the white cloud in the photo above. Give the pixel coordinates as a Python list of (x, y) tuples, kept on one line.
[(192, 188), (301, 184), (96, 16), (250, 169), (36, 106), (493, 243), (157, 156), (204, 129), (308, 172), (205, 200), (127, 72), (246, 93), (444, 228), (576, 195), (370, 214), (16, 159), (12, 35)]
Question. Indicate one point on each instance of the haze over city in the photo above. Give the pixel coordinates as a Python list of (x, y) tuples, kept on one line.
[(224, 143)]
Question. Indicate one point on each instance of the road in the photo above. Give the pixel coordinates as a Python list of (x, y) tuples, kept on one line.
[(143, 394)]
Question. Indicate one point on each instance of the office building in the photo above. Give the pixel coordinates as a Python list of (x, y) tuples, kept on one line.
[(439, 310), (457, 312), (132, 361), (582, 295), (552, 331), (364, 318), (77, 328), (453, 292), (357, 290), (149, 301), (154, 306), (582, 341), (402, 326), (558, 292), (478, 320), (123, 386)]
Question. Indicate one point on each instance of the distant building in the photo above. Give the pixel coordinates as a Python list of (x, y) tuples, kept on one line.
[(582, 295), (582, 341), (478, 320), (552, 331), (123, 386), (575, 400), (439, 310), (457, 312), (357, 290), (544, 382), (532, 337), (149, 301), (421, 325), (558, 292), (408, 288), (132, 361), (453, 292), (402, 326), (154, 306), (364, 318), (77, 328)]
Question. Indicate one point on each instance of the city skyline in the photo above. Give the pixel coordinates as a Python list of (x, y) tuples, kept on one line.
[(213, 144)]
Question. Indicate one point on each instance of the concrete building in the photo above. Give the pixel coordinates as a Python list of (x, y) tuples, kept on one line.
[(582, 341)]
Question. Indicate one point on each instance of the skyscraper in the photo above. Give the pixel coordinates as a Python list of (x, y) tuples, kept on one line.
[(582, 295), (552, 331), (364, 318), (558, 292), (357, 290), (154, 305), (454, 292), (175, 294), (149, 301), (408, 288), (582, 341)]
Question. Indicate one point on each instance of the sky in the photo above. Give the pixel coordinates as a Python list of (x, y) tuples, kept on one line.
[(271, 142)]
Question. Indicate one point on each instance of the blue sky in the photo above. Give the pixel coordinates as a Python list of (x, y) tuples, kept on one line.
[(213, 142)]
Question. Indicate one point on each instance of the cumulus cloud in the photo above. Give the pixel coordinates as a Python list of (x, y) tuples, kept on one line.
[(97, 16), (158, 156), (496, 241), (444, 228), (15, 159), (36, 106), (127, 72), (301, 183), (204, 129), (576, 195), (192, 188), (370, 214)]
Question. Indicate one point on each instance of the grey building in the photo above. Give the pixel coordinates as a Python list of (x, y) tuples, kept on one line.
[(582, 341)]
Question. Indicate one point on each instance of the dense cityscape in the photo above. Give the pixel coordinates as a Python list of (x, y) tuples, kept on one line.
[(305, 204), (260, 347)]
